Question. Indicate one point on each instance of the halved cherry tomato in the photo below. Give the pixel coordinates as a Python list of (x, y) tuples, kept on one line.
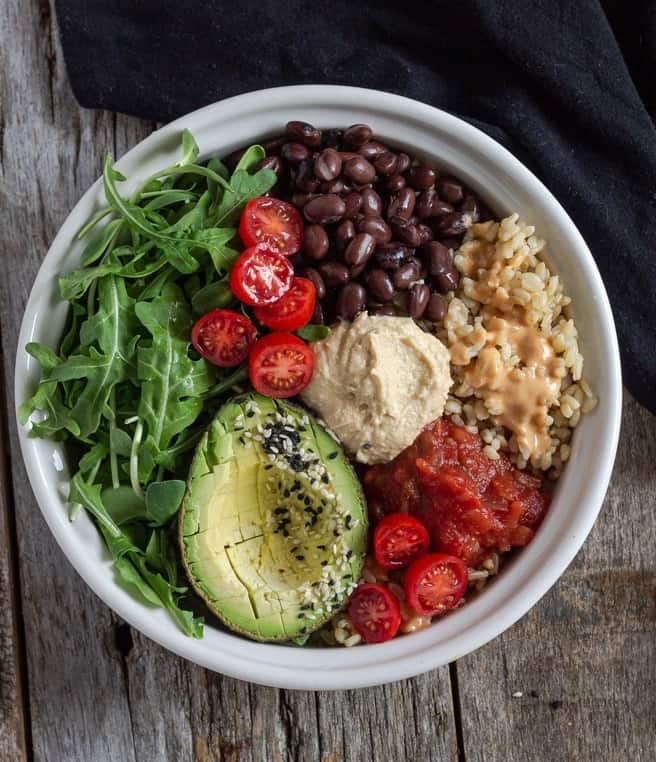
[(260, 276), (375, 612), (272, 222), (435, 583), (398, 539), (293, 310), (223, 337), (280, 365)]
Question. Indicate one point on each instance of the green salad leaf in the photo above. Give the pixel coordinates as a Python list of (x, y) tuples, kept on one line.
[(124, 390)]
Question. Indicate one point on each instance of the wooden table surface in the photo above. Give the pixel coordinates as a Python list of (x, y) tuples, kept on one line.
[(574, 680)]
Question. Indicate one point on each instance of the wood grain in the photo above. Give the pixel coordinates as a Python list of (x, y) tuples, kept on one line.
[(13, 706), (584, 659)]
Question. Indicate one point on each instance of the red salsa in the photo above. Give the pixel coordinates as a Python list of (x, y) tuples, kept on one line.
[(470, 504)]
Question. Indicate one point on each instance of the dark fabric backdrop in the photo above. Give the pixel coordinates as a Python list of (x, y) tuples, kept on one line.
[(568, 85)]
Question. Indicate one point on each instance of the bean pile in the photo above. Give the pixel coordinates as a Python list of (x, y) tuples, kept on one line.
[(381, 227)]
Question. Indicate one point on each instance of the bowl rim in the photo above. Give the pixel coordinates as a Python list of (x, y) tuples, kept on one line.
[(320, 669)]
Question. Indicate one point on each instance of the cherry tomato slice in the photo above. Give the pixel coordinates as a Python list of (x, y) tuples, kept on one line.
[(435, 583), (260, 276), (271, 222), (375, 612), (280, 365), (223, 337), (398, 539), (291, 311)]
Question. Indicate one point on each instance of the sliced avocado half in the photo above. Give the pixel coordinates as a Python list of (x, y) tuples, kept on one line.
[(273, 525)]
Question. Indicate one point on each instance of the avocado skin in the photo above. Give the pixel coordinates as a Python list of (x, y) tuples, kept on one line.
[(219, 449)]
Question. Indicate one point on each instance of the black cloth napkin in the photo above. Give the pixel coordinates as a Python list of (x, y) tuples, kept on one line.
[(568, 85)]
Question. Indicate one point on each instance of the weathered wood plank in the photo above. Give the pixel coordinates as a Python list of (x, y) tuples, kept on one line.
[(584, 659), (52, 152), (12, 690)]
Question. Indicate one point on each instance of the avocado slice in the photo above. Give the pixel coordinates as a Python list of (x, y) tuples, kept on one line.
[(273, 526)]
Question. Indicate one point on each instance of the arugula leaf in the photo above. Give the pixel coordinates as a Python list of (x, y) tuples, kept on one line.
[(189, 149), (211, 297), (130, 561), (313, 332), (163, 500), (113, 329), (171, 382)]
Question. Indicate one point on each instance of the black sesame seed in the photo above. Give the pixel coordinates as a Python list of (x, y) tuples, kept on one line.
[(347, 576), (300, 558), (349, 553), (250, 414), (301, 616), (286, 493), (333, 455), (242, 441), (336, 532), (325, 479), (321, 547), (367, 446), (268, 466), (324, 563)]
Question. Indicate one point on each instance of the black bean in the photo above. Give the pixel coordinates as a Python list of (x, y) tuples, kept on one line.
[(302, 132), (390, 256), (324, 209), (304, 177), (406, 274), (372, 205), (376, 227), (357, 135), (379, 284), (423, 272), (450, 190), (318, 317), (294, 153), (315, 242), (360, 249), (272, 147), (351, 300), (328, 165), (450, 243), (315, 276), (436, 308), (386, 163), (384, 310), (356, 270), (419, 296), (404, 231), (333, 138), (470, 207), (271, 162), (353, 203), (421, 177), (447, 281), (300, 199), (297, 261), (455, 223), (359, 170), (403, 162), (402, 204), (437, 258), (333, 274), (425, 233), (371, 149), (395, 183), (344, 234)]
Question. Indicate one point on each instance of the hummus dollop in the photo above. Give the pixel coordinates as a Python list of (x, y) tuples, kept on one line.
[(377, 382)]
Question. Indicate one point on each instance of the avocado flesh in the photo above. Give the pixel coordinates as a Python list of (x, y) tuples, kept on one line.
[(273, 524)]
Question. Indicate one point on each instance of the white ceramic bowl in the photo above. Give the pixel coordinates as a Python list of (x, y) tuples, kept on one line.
[(508, 186)]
